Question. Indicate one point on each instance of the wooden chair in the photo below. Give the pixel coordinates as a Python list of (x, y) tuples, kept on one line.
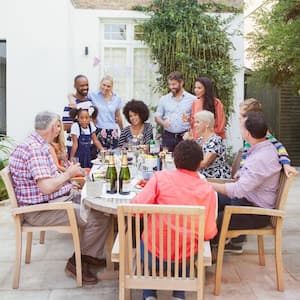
[(133, 274), (21, 226), (274, 229)]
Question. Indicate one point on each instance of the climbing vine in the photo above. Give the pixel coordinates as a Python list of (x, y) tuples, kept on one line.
[(183, 36)]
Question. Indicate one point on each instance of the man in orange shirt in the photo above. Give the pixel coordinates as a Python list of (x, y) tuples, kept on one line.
[(181, 186)]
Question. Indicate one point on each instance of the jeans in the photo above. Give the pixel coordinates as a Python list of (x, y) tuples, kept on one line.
[(148, 293), (238, 221)]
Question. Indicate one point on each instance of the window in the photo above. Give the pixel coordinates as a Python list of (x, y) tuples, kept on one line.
[(115, 31), (127, 59), (3, 87)]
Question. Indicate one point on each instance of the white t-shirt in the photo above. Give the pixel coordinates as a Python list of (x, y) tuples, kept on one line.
[(75, 129)]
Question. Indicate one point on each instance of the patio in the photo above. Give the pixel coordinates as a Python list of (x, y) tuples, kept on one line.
[(45, 279)]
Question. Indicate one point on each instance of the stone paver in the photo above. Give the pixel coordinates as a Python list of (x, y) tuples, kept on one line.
[(243, 278)]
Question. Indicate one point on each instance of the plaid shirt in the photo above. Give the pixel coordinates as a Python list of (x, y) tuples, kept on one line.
[(29, 162)]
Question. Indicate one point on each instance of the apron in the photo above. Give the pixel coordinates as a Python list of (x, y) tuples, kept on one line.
[(84, 148)]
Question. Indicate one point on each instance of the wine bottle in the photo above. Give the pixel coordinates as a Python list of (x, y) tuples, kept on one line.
[(124, 176), (111, 176)]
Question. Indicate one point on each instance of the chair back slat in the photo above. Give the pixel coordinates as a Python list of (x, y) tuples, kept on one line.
[(145, 225), (153, 247), (282, 193), (192, 256), (129, 245), (138, 249), (184, 242), (176, 246), (180, 228), (161, 247), (169, 246)]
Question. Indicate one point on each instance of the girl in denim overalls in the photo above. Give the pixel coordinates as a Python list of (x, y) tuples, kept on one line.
[(83, 133)]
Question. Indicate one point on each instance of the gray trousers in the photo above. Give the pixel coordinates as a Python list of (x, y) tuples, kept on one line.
[(93, 233)]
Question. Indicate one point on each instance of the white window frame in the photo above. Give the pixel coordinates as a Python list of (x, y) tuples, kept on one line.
[(129, 44)]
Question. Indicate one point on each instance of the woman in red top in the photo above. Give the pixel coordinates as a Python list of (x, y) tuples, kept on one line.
[(206, 101)]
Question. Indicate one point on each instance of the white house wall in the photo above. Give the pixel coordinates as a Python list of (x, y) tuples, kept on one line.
[(37, 39), (45, 50)]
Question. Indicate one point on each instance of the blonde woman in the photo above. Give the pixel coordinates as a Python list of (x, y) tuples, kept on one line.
[(109, 107), (58, 149), (214, 163)]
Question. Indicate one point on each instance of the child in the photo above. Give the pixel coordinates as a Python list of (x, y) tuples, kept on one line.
[(58, 149), (83, 132), (254, 105)]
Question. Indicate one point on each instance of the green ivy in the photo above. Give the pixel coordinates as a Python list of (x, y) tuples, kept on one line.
[(183, 36)]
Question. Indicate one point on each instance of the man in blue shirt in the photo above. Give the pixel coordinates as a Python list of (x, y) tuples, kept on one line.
[(173, 111)]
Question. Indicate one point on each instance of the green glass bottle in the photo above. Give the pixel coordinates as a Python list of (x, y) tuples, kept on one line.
[(111, 176), (124, 176)]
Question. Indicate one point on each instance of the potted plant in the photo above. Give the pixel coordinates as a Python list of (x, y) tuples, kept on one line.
[(6, 146)]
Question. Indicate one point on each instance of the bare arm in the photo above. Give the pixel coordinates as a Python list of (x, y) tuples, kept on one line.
[(219, 188), (119, 119), (53, 154), (74, 146), (161, 122), (208, 159), (50, 185), (96, 141), (72, 102)]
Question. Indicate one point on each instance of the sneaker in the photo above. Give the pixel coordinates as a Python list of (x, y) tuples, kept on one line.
[(151, 298), (231, 248), (239, 240)]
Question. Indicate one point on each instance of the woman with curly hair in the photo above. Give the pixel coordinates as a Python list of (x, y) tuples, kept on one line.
[(138, 132)]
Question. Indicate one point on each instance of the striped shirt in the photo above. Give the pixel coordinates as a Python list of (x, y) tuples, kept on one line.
[(145, 137), (29, 162), (282, 153), (84, 104)]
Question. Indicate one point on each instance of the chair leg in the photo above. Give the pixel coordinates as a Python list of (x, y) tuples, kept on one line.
[(77, 259), (219, 266), (278, 256), (127, 294), (16, 279), (42, 237), (200, 290), (28, 248), (261, 250)]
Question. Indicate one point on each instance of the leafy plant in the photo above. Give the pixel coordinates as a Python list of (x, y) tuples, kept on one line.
[(275, 43), (6, 145), (183, 36)]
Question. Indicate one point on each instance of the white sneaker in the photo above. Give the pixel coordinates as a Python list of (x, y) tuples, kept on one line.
[(175, 298)]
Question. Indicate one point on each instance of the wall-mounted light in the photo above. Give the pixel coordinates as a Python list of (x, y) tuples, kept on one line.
[(86, 50)]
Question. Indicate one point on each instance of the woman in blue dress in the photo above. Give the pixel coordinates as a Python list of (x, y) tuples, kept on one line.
[(109, 117)]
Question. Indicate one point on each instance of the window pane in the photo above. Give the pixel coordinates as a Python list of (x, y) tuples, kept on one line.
[(115, 65), (138, 33), (115, 31), (2, 87), (144, 76)]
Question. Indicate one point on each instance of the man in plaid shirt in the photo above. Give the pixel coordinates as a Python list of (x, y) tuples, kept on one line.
[(36, 180)]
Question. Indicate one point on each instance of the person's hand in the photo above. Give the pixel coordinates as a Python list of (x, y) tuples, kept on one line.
[(166, 123), (74, 170), (185, 117), (187, 136), (289, 170), (75, 185)]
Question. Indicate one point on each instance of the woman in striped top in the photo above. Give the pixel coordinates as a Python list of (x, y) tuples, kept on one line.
[(138, 132)]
